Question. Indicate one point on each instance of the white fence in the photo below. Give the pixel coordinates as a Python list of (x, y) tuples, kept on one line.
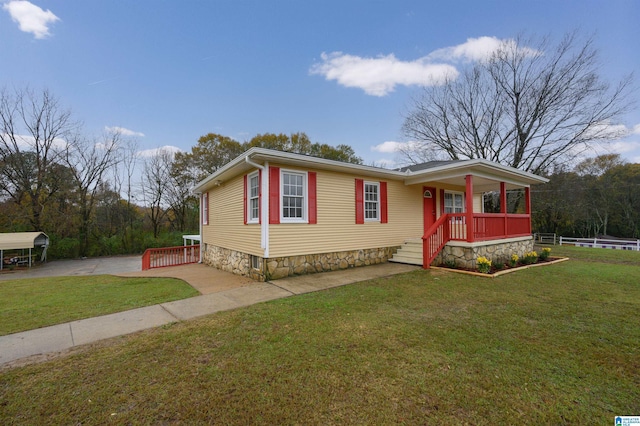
[(602, 243)]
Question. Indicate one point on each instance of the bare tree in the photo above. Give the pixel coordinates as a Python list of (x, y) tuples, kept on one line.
[(155, 182), (123, 183), (531, 104), (90, 161), (33, 131)]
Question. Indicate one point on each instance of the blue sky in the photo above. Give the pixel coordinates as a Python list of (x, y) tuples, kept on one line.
[(344, 72)]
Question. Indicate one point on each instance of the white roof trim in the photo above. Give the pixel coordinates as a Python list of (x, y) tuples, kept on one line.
[(475, 167)]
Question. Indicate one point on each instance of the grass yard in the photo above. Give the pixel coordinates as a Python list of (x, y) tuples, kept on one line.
[(551, 345), (26, 304)]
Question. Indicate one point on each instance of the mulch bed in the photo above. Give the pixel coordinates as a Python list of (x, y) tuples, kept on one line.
[(505, 269)]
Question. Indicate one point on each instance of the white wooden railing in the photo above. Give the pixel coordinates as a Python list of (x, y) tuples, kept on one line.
[(602, 243)]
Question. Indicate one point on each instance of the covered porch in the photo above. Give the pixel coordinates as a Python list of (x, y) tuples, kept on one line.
[(477, 208), (476, 227)]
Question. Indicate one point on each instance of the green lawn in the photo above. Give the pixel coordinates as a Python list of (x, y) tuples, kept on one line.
[(32, 303), (552, 345)]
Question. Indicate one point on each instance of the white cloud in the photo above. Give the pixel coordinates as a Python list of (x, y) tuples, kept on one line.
[(628, 144), (606, 130), (31, 18), (123, 131), (28, 142), (154, 151), (392, 147), (474, 49), (379, 76), (478, 49)]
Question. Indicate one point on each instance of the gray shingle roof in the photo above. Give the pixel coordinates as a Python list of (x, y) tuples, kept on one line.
[(427, 165)]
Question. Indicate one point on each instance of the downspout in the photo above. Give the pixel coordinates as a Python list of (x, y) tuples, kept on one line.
[(200, 226), (264, 208)]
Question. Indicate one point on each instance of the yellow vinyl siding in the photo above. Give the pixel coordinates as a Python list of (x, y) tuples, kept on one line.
[(336, 229), (477, 203), (226, 220)]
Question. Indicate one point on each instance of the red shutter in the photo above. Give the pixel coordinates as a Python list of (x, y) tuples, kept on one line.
[(313, 201), (274, 195), (359, 201), (442, 201), (259, 196), (245, 199), (383, 203)]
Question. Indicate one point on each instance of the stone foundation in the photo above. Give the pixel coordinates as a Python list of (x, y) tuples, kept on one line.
[(280, 267), (464, 254)]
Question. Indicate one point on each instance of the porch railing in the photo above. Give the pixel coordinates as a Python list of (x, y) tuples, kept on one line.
[(491, 226), (486, 226), (435, 238), (170, 256)]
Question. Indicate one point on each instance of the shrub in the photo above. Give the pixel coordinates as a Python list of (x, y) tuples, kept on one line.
[(545, 253), (483, 265), (530, 257), (498, 265)]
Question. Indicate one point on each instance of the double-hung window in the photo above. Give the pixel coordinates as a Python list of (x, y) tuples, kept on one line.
[(453, 202), (294, 194), (253, 202), (371, 201)]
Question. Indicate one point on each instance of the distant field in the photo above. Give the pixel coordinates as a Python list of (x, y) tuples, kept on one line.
[(39, 302), (551, 345)]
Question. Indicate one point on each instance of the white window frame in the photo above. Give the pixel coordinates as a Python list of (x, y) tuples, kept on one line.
[(454, 194), (250, 198), (376, 202), (205, 208), (305, 197)]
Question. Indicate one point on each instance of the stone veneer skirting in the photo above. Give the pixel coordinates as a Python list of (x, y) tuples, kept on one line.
[(465, 254), (273, 268)]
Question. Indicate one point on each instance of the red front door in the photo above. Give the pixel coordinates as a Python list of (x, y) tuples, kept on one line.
[(429, 206)]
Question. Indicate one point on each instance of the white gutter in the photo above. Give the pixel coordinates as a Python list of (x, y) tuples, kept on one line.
[(264, 208), (200, 225)]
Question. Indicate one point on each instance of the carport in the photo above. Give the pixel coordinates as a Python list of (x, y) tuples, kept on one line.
[(22, 241)]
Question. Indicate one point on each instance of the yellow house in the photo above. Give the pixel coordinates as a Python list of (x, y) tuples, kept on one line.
[(269, 214)]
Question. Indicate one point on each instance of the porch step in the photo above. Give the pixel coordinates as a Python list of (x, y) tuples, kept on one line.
[(410, 253)]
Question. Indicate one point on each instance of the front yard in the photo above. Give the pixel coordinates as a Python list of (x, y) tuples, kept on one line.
[(548, 345), (26, 304)]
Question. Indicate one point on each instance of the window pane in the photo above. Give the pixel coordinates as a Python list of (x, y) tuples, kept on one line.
[(293, 195), (371, 201), (254, 190)]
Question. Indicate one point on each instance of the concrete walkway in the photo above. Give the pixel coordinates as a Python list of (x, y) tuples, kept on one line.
[(65, 336)]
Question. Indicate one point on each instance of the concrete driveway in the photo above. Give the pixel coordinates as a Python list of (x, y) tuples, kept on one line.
[(90, 266), (203, 278)]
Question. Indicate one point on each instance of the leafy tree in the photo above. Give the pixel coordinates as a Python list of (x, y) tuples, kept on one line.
[(210, 153), (529, 105), (600, 196), (299, 143), (600, 187), (33, 128)]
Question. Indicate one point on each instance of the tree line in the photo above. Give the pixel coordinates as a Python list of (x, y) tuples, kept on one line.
[(599, 196), (97, 196)]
